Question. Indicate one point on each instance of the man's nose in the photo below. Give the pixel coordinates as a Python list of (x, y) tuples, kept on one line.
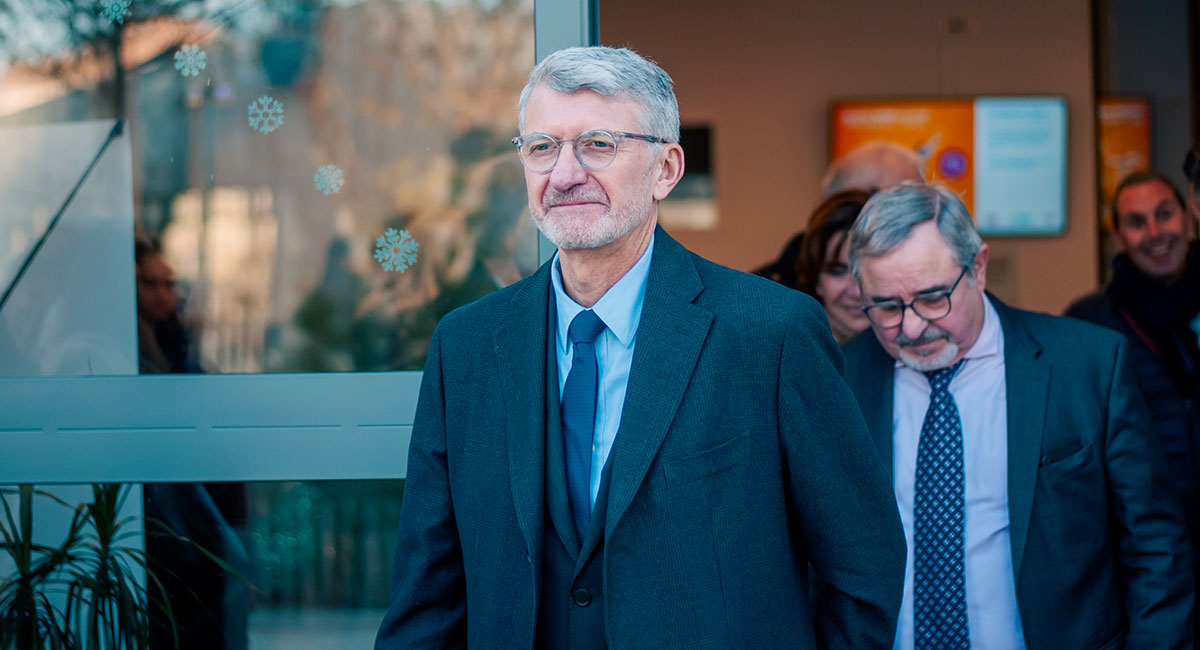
[(913, 324), (567, 171), (1152, 228)]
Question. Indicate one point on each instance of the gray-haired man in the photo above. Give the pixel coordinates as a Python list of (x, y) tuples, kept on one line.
[(1034, 496), (635, 447)]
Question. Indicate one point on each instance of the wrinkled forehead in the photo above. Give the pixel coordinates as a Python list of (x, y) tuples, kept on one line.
[(566, 115), (921, 261), (574, 103)]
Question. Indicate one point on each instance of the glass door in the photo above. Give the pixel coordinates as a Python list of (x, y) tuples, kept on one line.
[(229, 231)]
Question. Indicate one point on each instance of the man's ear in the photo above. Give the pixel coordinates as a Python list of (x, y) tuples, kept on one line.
[(667, 170), (1118, 240), (980, 267)]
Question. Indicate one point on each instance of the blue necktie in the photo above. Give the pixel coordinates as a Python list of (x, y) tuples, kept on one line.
[(579, 415), (939, 524)]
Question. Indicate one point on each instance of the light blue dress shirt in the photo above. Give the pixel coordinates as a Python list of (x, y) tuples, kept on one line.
[(979, 389), (621, 310)]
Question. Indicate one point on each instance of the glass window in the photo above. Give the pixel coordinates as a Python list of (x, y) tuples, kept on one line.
[(246, 187), (227, 566)]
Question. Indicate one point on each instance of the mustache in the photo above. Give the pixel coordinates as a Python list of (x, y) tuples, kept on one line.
[(554, 197), (931, 334)]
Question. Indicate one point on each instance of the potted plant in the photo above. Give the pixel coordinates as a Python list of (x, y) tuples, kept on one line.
[(88, 592)]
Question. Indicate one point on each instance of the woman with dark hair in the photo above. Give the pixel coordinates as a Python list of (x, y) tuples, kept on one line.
[(823, 267)]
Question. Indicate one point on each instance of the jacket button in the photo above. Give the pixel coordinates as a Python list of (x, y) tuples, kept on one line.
[(583, 597)]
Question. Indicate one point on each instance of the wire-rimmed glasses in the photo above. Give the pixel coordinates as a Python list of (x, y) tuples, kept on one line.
[(929, 306), (594, 150)]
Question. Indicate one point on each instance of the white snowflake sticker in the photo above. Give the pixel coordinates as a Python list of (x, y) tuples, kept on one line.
[(190, 60), (396, 250), (329, 180), (266, 114), (115, 10)]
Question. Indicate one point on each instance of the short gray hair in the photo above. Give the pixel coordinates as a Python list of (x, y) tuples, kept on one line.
[(889, 216), (611, 72)]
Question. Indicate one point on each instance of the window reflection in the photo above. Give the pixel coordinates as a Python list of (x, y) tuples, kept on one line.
[(307, 566), (325, 179)]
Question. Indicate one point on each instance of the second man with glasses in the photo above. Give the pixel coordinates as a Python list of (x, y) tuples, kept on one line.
[(1034, 497)]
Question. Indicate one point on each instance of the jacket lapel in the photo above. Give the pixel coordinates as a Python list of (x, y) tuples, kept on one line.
[(669, 339), (520, 354), (1026, 380), (875, 393), (557, 500)]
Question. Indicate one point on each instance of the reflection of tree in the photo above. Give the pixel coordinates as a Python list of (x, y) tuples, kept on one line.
[(338, 338), (74, 41), (421, 107)]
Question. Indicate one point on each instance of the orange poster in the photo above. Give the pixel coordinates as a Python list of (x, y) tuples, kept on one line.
[(1124, 142), (941, 132)]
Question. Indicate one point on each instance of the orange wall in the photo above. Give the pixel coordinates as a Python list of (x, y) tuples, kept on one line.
[(764, 73)]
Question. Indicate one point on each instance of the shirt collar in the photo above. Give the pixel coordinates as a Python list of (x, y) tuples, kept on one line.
[(991, 338), (620, 307)]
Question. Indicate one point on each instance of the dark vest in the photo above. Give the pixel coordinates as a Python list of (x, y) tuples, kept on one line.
[(571, 608)]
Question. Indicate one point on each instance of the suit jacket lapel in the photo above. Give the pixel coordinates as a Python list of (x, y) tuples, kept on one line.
[(669, 339), (556, 466), (875, 391), (520, 354), (1026, 380)]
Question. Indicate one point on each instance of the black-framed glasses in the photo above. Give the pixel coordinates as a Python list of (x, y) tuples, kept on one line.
[(594, 149), (930, 306)]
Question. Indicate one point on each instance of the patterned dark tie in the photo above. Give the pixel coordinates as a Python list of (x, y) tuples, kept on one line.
[(939, 524), (579, 415)]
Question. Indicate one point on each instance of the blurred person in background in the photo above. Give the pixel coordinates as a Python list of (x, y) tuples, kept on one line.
[(188, 523), (823, 267), (1153, 300), (873, 166), (164, 344)]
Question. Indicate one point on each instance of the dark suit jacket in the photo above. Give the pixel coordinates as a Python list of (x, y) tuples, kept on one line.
[(1098, 542), (740, 458)]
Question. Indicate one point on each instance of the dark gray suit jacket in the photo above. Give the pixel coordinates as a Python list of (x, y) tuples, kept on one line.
[(1099, 547), (740, 458)]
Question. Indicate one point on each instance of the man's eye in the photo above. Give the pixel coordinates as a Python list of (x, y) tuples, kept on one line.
[(932, 300), (888, 307), (541, 147), (597, 144)]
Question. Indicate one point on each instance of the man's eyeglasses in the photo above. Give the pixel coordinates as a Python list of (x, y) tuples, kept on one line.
[(594, 149), (930, 306)]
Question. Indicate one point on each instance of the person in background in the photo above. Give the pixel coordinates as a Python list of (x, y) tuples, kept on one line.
[(823, 267), (873, 166), (186, 522), (635, 447), (1035, 500), (164, 344), (1153, 300)]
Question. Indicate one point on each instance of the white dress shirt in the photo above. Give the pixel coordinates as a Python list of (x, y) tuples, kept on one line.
[(620, 308), (979, 391)]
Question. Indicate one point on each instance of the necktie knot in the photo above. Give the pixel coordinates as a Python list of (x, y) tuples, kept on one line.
[(939, 380), (585, 327)]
